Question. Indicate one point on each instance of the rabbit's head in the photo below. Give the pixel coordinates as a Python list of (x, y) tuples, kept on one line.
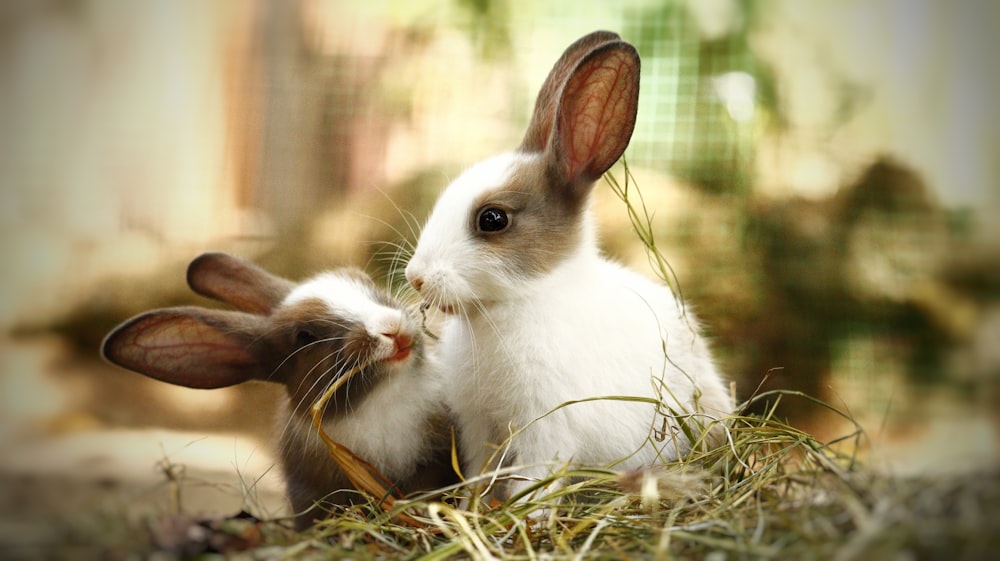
[(512, 218), (304, 336)]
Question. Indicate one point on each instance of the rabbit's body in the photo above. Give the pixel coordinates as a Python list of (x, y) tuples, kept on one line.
[(394, 428), (553, 342), (538, 318), (305, 336)]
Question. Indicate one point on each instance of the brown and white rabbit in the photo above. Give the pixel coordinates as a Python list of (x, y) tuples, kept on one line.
[(304, 336), (536, 317)]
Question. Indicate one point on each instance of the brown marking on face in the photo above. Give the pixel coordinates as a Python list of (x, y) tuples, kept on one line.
[(545, 225), (314, 348)]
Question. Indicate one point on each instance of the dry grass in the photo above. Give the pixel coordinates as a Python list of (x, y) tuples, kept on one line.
[(772, 492)]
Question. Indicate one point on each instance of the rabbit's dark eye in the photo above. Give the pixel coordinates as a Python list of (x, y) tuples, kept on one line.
[(304, 337), (492, 220)]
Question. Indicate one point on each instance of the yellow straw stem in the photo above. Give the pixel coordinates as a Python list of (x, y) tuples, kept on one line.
[(364, 476)]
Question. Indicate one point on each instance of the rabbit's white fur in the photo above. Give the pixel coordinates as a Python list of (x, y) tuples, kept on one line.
[(562, 323), (520, 347)]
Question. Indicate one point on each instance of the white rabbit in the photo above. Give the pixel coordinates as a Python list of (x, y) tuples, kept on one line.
[(536, 317), (304, 336)]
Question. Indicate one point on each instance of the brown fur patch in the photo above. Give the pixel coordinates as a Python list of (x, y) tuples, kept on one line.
[(544, 223), (312, 349), (237, 282)]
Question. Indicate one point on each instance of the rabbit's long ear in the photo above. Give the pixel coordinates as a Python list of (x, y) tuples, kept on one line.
[(190, 346), (540, 127), (595, 117), (237, 282)]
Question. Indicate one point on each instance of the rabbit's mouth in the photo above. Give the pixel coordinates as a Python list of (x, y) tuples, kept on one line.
[(402, 347), (401, 355), (447, 309)]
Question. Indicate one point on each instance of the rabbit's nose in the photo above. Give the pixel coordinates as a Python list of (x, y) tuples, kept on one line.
[(416, 282), (414, 276)]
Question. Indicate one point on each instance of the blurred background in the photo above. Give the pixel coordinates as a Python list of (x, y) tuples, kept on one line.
[(823, 178)]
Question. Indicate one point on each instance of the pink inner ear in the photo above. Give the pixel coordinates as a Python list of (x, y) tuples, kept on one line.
[(192, 353), (182, 348), (597, 113), (540, 129)]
